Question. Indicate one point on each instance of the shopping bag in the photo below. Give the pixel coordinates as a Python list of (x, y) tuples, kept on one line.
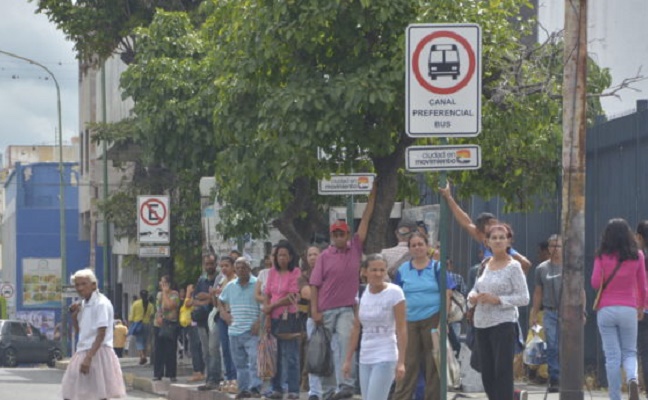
[(453, 367), (535, 351), (319, 357), (266, 356)]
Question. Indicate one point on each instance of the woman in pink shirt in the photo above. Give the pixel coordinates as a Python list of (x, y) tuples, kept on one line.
[(282, 295), (642, 333), (619, 267)]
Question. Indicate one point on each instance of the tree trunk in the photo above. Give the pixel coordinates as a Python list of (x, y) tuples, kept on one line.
[(573, 200), (387, 176)]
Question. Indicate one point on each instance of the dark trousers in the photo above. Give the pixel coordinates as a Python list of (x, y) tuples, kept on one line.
[(496, 347), (166, 350), (119, 351), (642, 348)]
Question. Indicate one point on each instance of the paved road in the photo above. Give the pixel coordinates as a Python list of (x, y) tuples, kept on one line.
[(42, 384)]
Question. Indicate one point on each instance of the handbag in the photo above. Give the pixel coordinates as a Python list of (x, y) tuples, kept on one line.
[(185, 316), (168, 330), (135, 328), (267, 356), (319, 356), (604, 283), (287, 327), (457, 307)]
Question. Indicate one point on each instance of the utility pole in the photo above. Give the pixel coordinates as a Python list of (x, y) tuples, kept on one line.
[(573, 200)]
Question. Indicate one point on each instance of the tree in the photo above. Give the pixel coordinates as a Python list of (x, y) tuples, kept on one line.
[(294, 76)]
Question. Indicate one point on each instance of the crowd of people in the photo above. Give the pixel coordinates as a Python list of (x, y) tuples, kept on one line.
[(379, 310)]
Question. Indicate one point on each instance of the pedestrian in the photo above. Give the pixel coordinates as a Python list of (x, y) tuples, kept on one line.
[(620, 277), (477, 230), (120, 332), (94, 371), (209, 340), (546, 298), (334, 287), (381, 318), (280, 305), (395, 256), (314, 382), (419, 279), (142, 311), (642, 333), (499, 290), (240, 311), (228, 275), (166, 320), (191, 328)]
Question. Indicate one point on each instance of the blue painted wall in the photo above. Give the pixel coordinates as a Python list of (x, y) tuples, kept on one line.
[(38, 226)]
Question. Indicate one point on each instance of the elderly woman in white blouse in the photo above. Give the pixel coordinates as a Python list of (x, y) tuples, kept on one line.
[(500, 288)]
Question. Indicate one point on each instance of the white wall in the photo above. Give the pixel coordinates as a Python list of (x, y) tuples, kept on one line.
[(617, 32)]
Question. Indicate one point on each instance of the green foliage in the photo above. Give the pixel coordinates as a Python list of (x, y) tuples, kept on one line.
[(250, 94), (98, 28)]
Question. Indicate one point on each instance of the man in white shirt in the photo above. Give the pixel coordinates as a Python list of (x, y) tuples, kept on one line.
[(398, 254)]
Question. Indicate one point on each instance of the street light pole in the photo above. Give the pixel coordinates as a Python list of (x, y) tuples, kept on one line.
[(64, 330)]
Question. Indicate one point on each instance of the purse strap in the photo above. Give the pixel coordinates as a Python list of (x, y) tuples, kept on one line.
[(607, 281)]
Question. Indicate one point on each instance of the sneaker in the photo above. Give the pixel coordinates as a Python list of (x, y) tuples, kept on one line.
[(244, 395), (313, 397), (196, 377), (143, 361), (344, 393), (208, 386), (554, 386), (633, 389)]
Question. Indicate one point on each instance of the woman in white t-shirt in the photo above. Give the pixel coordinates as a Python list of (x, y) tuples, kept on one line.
[(381, 316)]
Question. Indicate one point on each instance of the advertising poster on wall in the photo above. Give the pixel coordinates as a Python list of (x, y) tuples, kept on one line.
[(41, 320), (42, 282)]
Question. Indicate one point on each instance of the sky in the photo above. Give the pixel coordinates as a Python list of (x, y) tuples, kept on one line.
[(28, 111)]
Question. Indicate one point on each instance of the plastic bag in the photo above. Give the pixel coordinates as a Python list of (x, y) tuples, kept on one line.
[(319, 357), (535, 352), (453, 368), (266, 356)]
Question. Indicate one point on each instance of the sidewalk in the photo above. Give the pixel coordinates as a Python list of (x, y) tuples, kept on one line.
[(141, 378)]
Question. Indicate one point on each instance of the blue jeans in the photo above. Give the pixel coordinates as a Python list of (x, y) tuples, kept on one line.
[(244, 354), (287, 364), (552, 337), (230, 369), (376, 379), (618, 328), (339, 321), (197, 362)]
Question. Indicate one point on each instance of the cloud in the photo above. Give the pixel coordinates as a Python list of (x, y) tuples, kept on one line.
[(28, 104)]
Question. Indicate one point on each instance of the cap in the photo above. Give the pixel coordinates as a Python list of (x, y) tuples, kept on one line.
[(405, 227), (339, 225)]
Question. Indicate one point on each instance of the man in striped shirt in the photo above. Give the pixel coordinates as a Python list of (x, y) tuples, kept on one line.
[(240, 311)]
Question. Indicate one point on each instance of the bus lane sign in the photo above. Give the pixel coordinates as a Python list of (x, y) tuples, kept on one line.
[(443, 80)]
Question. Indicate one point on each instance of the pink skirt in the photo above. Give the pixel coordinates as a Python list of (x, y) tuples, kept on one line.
[(104, 381)]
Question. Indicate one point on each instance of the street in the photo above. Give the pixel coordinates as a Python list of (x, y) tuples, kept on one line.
[(42, 384)]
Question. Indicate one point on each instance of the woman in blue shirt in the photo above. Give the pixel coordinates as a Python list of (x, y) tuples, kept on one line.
[(418, 278)]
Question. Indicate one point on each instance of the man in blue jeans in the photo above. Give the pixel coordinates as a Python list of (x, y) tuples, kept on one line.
[(241, 312), (546, 296), (335, 281)]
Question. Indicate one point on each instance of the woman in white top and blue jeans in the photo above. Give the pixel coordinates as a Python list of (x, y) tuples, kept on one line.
[(500, 288), (381, 316)]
